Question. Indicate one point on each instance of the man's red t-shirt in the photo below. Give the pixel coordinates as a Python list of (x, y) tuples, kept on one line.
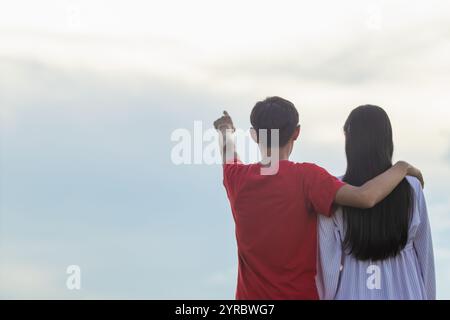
[(276, 227)]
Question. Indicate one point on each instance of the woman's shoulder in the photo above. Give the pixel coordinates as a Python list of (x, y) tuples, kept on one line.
[(413, 181), (416, 186), (419, 212)]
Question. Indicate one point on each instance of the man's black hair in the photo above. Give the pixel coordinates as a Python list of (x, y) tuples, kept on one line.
[(275, 113)]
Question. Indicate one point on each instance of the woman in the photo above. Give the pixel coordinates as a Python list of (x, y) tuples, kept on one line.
[(380, 253)]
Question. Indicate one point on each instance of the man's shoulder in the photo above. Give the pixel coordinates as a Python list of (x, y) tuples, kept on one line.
[(237, 168), (308, 167), (313, 172), (238, 164)]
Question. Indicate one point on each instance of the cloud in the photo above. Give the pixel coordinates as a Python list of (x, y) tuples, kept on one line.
[(442, 263), (358, 59), (447, 155), (337, 49), (440, 215), (87, 179), (225, 278), (443, 253), (26, 281)]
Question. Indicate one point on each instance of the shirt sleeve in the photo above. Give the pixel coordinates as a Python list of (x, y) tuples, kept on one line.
[(423, 245), (329, 257), (321, 188), (231, 173)]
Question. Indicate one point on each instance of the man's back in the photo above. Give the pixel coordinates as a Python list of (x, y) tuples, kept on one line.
[(275, 218)]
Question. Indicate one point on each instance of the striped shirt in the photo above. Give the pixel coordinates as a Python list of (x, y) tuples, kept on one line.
[(408, 276)]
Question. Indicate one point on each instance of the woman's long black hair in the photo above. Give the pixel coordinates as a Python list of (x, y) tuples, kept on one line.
[(381, 232)]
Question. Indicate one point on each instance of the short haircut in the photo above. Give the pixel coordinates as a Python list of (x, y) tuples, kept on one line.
[(275, 113)]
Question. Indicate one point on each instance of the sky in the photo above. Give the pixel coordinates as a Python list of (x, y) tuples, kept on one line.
[(91, 91)]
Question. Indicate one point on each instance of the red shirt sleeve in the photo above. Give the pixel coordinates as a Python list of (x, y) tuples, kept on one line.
[(321, 188), (232, 170)]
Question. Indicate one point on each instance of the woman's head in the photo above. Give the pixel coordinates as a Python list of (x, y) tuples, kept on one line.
[(380, 232), (368, 141)]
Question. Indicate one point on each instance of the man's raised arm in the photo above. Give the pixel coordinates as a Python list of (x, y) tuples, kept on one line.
[(226, 138)]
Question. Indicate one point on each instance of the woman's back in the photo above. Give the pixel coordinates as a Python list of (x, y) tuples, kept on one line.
[(409, 275)]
